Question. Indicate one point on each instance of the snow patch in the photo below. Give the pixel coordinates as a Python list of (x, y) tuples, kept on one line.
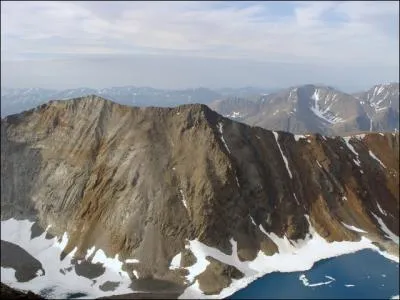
[(326, 114), (297, 137), (252, 221), (183, 199), (347, 141), (319, 165), (297, 201), (237, 181), (176, 262), (376, 158), (283, 156), (221, 131), (235, 115), (380, 209), (386, 230), (351, 227)]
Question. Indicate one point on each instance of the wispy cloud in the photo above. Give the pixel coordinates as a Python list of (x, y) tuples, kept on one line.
[(341, 32), (347, 34)]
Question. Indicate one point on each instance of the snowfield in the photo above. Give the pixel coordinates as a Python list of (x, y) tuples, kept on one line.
[(293, 256)]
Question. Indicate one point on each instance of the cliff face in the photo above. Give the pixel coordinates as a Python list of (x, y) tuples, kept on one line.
[(141, 182)]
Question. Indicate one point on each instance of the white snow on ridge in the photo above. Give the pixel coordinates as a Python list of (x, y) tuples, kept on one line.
[(386, 230), (347, 141), (297, 137), (351, 227), (380, 209), (183, 199), (235, 115), (297, 201), (283, 156), (237, 182), (319, 165), (376, 158), (220, 128)]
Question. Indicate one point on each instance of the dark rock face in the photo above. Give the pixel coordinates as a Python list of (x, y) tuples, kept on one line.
[(10, 293), (26, 266), (140, 182)]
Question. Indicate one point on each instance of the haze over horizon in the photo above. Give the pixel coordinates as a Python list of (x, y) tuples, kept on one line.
[(175, 45)]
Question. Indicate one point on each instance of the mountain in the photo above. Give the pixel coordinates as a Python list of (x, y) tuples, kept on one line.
[(100, 199), (303, 109), (318, 109), (381, 103), (17, 100)]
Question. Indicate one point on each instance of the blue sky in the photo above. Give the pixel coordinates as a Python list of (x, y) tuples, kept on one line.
[(353, 43)]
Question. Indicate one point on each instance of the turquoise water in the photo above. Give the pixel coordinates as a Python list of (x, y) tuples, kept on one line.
[(373, 277)]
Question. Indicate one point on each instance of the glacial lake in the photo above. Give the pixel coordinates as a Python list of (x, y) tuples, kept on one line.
[(361, 275)]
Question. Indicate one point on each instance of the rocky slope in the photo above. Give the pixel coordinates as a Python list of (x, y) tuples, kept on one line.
[(318, 109), (159, 187)]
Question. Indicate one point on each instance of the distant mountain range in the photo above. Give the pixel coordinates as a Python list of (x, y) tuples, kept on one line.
[(18, 100), (302, 109), (318, 109)]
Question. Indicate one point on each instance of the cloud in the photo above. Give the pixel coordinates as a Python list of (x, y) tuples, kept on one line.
[(210, 29), (350, 40)]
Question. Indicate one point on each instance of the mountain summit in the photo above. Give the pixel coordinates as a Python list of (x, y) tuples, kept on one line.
[(120, 195)]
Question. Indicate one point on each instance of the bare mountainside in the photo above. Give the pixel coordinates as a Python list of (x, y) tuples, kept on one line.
[(182, 199), (318, 109)]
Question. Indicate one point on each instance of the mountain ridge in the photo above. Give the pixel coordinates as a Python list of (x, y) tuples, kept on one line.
[(352, 112), (153, 183)]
